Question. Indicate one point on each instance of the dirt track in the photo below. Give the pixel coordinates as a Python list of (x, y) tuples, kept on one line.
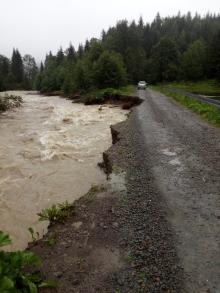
[(184, 155)]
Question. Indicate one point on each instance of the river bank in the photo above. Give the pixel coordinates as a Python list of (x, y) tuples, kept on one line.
[(118, 240), (123, 97), (49, 153)]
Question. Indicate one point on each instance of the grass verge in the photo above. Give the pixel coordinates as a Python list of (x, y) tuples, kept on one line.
[(208, 112), (208, 87), (126, 90)]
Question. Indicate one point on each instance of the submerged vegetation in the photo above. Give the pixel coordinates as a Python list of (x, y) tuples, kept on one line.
[(9, 101)]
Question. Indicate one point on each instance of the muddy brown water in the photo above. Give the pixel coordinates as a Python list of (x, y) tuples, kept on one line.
[(49, 150)]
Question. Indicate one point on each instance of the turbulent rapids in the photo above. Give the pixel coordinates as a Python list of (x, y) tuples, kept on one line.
[(49, 150)]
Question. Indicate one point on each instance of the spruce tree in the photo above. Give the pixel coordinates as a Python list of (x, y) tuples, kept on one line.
[(71, 53), (17, 68), (60, 56)]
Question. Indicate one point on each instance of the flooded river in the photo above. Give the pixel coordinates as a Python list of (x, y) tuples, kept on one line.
[(49, 150)]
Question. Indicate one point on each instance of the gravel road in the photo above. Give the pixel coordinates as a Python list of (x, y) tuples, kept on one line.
[(183, 154)]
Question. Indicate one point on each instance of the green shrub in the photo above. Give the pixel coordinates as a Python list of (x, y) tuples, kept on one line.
[(13, 277), (57, 212)]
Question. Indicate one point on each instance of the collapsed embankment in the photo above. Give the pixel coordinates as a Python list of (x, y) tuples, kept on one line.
[(117, 239), (125, 101)]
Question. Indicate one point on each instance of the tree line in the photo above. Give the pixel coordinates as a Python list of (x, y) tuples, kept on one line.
[(18, 72), (181, 47)]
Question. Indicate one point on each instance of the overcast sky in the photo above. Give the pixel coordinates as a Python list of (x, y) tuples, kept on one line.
[(37, 26)]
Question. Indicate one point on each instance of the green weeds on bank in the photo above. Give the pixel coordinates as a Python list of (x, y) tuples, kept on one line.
[(208, 112), (13, 276), (57, 212), (99, 96)]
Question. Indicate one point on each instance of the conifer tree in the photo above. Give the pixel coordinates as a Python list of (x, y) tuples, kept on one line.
[(71, 53), (17, 68)]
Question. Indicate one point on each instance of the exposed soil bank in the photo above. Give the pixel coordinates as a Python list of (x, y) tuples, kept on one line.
[(125, 101), (117, 240)]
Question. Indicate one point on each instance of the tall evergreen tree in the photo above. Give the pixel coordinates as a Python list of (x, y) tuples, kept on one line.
[(17, 68), (60, 56), (71, 53)]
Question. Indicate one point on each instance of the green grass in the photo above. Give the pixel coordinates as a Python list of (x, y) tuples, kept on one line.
[(205, 87), (126, 90), (208, 112)]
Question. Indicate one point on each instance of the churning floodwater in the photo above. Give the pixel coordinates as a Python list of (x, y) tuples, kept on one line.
[(49, 150)]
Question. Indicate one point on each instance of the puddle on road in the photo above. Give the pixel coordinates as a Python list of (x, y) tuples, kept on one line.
[(49, 152)]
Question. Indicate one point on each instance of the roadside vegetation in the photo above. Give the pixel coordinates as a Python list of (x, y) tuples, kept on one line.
[(13, 270), (208, 112), (205, 87)]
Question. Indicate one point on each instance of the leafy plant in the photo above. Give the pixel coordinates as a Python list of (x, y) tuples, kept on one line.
[(57, 212), (34, 236), (13, 277), (4, 239)]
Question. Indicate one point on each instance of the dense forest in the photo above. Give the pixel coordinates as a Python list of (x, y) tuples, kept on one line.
[(17, 73), (181, 47)]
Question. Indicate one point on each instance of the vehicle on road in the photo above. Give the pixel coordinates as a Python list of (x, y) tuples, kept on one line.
[(142, 85)]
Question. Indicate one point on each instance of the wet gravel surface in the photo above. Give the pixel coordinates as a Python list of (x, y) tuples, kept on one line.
[(145, 234), (183, 155)]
